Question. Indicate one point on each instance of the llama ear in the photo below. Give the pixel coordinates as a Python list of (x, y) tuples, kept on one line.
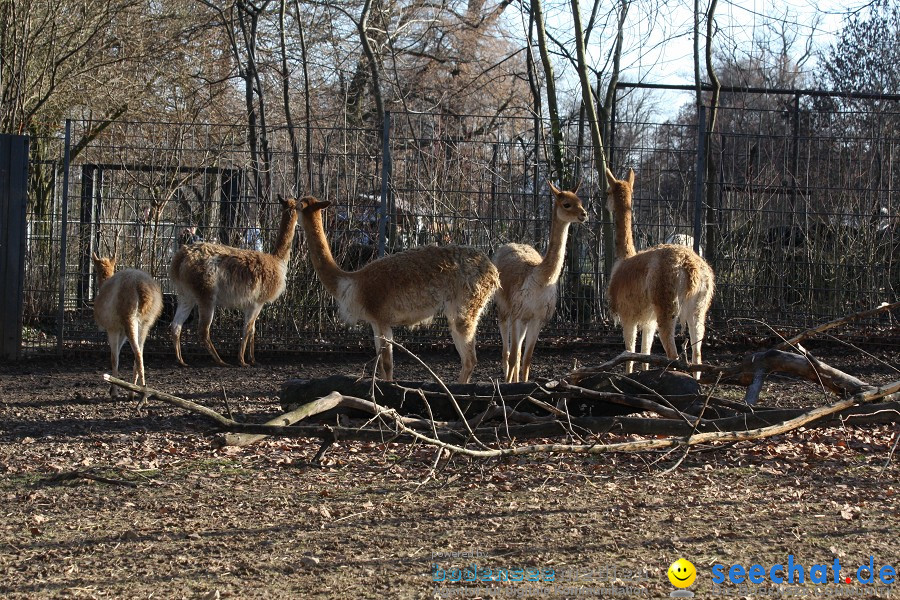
[(94, 257), (631, 177), (310, 204), (610, 177), (553, 188), (574, 190)]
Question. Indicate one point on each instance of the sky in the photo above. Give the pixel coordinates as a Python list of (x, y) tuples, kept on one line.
[(660, 50)]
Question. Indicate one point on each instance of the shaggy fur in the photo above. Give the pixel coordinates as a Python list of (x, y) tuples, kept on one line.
[(127, 305), (408, 288), (528, 286), (209, 275), (656, 287)]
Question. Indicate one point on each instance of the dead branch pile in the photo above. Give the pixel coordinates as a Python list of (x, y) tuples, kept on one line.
[(486, 420)]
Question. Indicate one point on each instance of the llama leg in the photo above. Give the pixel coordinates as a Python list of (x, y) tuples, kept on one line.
[(115, 345), (696, 329), (387, 353), (139, 359), (648, 331), (181, 315), (532, 329), (249, 333), (205, 321), (463, 335), (504, 344), (517, 338), (667, 336), (379, 363), (384, 352), (133, 340), (629, 332)]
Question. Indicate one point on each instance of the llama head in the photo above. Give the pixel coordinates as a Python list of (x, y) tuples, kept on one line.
[(310, 205), (104, 267), (289, 204), (567, 205), (618, 194)]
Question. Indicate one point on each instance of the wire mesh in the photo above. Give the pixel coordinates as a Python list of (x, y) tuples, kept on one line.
[(803, 225)]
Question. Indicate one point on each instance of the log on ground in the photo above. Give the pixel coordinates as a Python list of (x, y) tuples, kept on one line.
[(614, 395)]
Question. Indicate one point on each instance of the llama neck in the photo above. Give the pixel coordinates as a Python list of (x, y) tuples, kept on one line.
[(103, 272), (286, 228), (550, 268), (320, 253), (101, 278), (624, 235)]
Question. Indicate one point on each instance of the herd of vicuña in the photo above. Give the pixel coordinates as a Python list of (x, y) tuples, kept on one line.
[(648, 290)]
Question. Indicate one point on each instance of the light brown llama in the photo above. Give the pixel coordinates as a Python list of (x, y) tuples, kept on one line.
[(408, 288), (528, 285), (208, 275), (656, 287), (127, 305)]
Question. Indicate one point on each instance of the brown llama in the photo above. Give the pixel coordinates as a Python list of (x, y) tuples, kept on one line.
[(405, 289), (127, 305), (528, 285), (208, 275), (656, 287)]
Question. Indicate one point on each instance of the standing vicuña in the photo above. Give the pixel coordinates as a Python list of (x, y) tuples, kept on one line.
[(408, 288), (527, 296), (126, 307), (655, 287), (210, 275)]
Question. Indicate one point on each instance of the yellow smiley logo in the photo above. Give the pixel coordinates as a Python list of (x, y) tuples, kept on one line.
[(682, 573)]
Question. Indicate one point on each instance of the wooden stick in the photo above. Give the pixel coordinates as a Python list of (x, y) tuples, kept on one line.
[(752, 369), (632, 401), (807, 367), (307, 410), (884, 306)]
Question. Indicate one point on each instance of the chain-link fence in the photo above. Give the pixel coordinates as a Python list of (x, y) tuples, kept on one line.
[(802, 223)]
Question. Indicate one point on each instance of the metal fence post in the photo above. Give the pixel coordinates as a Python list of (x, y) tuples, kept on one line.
[(13, 210), (88, 182), (495, 152), (385, 182), (700, 176), (63, 238), (607, 231)]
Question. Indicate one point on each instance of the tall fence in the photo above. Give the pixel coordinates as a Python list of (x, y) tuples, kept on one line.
[(802, 222), (13, 196)]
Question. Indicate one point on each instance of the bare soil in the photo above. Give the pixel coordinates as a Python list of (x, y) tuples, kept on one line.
[(100, 501)]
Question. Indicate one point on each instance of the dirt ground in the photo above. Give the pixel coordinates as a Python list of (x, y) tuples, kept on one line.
[(178, 518)]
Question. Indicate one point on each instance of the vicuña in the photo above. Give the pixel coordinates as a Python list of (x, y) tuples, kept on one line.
[(656, 287), (528, 285), (208, 275), (405, 289), (127, 305)]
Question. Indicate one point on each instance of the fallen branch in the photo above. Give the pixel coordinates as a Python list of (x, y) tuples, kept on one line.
[(655, 360), (71, 475), (755, 367), (836, 323), (640, 404), (750, 373), (307, 410), (401, 431)]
